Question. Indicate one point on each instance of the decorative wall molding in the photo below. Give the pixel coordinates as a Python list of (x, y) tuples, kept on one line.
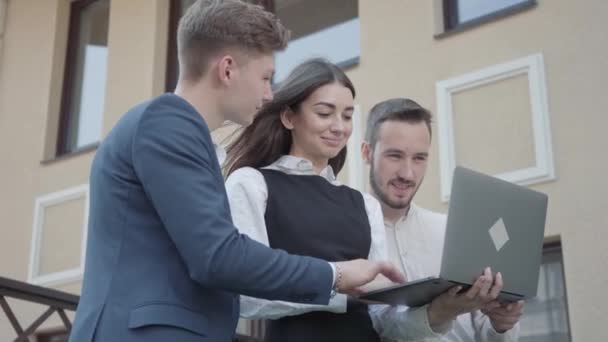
[(43, 202), (533, 67), (354, 159), (3, 15)]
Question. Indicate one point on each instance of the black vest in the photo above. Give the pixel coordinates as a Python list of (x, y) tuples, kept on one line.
[(307, 215)]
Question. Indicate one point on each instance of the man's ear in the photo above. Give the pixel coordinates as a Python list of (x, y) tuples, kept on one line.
[(226, 68), (287, 118), (366, 152)]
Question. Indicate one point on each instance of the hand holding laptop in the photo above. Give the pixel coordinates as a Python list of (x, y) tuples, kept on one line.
[(490, 222), (454, 302), (504, 316)]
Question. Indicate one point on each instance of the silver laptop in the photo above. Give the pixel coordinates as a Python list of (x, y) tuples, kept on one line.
[(491, 222)]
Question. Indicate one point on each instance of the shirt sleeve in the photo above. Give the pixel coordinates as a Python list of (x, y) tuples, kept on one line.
[(247, 195), (403, 323), (484, 329), (394, 322)]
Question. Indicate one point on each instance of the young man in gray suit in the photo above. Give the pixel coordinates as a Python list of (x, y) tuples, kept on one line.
[(164, 262)]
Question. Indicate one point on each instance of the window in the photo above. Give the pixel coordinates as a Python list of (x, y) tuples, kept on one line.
[(466, 13), (84, 82), (177, 8), (319, 28), (545, 317)]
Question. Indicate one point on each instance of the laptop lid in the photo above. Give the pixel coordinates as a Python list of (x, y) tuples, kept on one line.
[(494, 223)]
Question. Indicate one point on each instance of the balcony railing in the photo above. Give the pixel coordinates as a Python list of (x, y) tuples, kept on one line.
[(56, 302)]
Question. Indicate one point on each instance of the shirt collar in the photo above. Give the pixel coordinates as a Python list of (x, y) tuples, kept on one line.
[(404, 218), (220, 152), (299, 165)]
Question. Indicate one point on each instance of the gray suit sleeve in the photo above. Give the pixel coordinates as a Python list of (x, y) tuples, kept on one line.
[(171, 155)]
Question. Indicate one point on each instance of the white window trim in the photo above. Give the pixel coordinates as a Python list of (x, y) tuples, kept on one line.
[(42, 202), (533, 67), (3, 15)]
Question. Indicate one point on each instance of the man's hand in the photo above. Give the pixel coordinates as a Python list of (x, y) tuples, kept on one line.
[(504, 317), (355, 273), (450, 304)]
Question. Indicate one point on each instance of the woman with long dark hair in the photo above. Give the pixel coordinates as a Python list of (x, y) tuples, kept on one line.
[(284, 193)]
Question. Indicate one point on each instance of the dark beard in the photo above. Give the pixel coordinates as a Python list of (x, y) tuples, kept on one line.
[(383, 197)]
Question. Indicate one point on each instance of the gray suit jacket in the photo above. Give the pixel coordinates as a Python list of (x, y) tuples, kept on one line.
[(164, 261)]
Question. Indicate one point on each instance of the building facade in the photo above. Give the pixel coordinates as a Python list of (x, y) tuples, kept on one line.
[(514, 85)]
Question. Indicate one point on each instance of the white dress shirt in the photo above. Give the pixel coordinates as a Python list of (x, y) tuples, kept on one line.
[(415, 244), (220, 152), (247, 193)]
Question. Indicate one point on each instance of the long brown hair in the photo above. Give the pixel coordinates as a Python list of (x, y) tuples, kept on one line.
[(266, 139)]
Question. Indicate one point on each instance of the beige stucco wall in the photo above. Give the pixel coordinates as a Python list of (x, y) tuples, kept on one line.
[(400, 57)]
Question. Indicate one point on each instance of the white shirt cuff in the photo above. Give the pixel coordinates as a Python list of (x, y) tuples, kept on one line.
[(332, 292)]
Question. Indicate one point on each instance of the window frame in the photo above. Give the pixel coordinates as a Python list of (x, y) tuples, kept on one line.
[(452, 25), (553, 245), (62, 149), (171, 69)]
